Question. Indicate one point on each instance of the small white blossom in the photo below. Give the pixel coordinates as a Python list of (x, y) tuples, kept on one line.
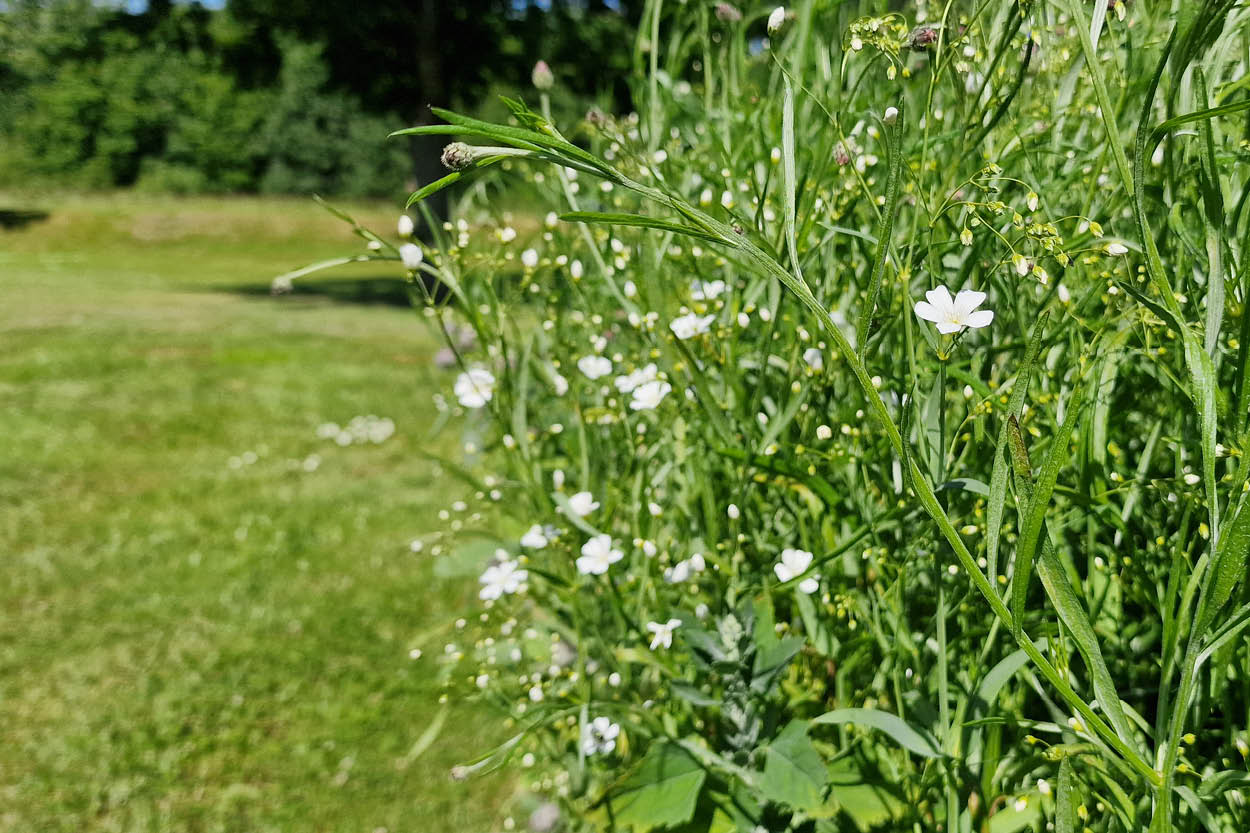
[(706, 290), (631, 381), (529, 258), (475, 387), (594, 367), (576, 270), (535, 538), (597, 555), (793, 564), (411, 255), (654, 510), (824, 432), (560, 384), (648, 395), (1117, 249), (953, 314), (733, 512), (691, 325), (599, 736), (663, 633), (890, 115), (814, 358), (582, 503), (500, 579), (405, 226)]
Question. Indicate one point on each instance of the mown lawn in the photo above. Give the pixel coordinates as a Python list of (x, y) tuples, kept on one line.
[(207, 609)]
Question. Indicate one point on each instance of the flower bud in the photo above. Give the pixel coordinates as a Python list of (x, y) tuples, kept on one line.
[(405, 226), (457, 156), (921, 37), (411, 255), (727, 13), (890, 115), (777, 19), (542, 76)]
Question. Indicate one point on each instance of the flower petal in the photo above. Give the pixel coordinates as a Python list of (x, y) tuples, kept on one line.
[(940, 298), (948, 327), (966, 301), (980, 318), (927, 311)]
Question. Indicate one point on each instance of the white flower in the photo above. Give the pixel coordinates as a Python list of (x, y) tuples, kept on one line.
[(529, 258), (582, 504), (654, 509), (648, 395), (405, 226), (691, 325), (663, 633), (501, 578), (683, 569), (793, 564), (706, 290), (890, 115), (630, 289), (594, 366), (733, 512), (953, 314), (576, 270), (507, 234), (814, 358), (411, 255), (597, 555), (1117, 249), (627, 383), (599, 736), (535, 538), (475, 387), (824, 432), (776, 19), (560, 384), (551, 220)]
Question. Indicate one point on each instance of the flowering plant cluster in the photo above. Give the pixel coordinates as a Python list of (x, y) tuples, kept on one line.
[(862, 427)]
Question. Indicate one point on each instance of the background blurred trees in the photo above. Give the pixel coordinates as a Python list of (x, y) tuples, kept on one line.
[(286, 96)]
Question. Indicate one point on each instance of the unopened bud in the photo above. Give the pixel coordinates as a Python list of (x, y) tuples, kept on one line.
[(890, 115), (457, 156), (727, 13), (777, 19), (542, 76)]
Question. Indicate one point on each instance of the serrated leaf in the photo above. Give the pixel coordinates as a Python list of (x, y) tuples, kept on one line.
[(794, 774), (661, 792), (905, 735)]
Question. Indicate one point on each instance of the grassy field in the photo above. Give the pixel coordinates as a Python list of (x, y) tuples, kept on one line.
[(208, 610)]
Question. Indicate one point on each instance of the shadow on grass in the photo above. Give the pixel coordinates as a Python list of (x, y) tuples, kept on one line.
[(383, 291), (16, 218)]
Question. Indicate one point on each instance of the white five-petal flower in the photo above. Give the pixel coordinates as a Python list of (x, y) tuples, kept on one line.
[(529, 258), (627, 383), (793, 564), (594, 367), (954, 314), (501, 578), (599, 736), (475, 387), (706, 290), (663, 633), (814, 358), (691, 325), (597, 555), (648, 395), (582, 504)]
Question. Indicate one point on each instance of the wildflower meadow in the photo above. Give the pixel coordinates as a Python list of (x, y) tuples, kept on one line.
[(856, 430)]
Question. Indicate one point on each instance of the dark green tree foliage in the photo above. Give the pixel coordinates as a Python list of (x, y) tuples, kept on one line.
[(273, 95)]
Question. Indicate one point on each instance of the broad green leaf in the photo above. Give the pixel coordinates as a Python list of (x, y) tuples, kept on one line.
[(661, 792), (903, 734), (1228, 571), (794, 774), (868, 799)]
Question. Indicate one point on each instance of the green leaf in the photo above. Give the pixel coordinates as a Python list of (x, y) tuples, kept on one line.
[(998, 478), (661, 792), (1065, 798), (903, 733), (869, 799), (894, 145), (794, 774), (636, 220), (1228, 571), (1198, 115)]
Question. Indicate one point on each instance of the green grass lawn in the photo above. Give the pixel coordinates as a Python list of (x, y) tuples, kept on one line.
[(199, 632)]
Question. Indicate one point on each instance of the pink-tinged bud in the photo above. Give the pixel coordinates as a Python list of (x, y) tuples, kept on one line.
[(727, 13), (542, 76)]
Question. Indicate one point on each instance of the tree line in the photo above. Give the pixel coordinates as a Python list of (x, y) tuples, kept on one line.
[(276, 96)]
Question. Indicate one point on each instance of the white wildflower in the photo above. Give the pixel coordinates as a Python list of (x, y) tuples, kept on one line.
[(534, 538), (529, 258), (597, 555), (405, 226), (599, 736), (691, 325), (500, 579), (648, 395), (582, 504), (776, 19), (814, 358), (953, 314), (594, 367), (634, 380), (793, 564), (475, 387), (411, 255), (663, 633)]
